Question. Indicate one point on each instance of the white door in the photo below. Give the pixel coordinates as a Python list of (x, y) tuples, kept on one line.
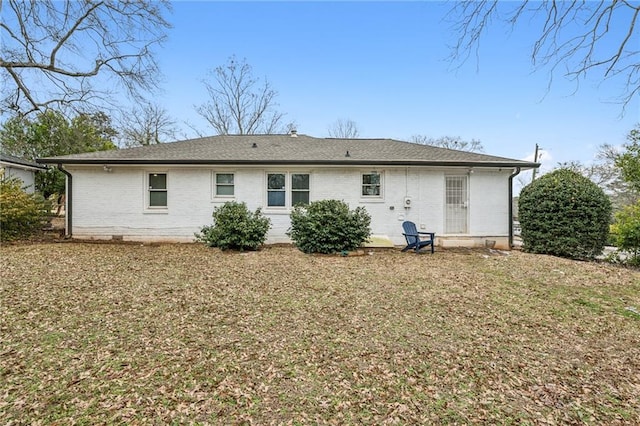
[(456, 204)]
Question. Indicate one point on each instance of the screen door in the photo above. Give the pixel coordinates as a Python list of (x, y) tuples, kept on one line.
[(456, 203)]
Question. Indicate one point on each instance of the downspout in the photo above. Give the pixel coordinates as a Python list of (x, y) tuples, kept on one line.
[(69, 202), (514, 174)]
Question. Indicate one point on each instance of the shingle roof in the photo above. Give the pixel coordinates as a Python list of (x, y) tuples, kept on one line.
[(286, 149), (10, 159)]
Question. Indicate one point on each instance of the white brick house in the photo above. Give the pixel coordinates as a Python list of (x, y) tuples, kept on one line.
[(167, 192)]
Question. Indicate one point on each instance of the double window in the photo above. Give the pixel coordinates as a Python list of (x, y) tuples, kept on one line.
[(287, 189), (157, 192)]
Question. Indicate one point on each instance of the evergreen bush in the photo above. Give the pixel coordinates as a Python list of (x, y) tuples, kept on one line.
[(328, 226), (21, 214), (235, 227), (564, 214), (627, 231)]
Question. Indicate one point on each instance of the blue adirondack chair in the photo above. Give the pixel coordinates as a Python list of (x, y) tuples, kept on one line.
[(417, 240)]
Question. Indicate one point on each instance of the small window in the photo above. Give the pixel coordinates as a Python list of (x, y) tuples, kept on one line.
[(299, 189), (371, 184), (224, 185), (157, 190), (276, 190)]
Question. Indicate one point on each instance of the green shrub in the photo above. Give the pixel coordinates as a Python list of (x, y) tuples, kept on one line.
[(51, 181), (235, 227), (564, 214), (627, 231), (328, 226), (21, 214)]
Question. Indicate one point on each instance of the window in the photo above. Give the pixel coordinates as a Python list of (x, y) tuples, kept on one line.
[(276, 190), (157, 190), (299, 189), (371, 184), (224, 185), (287, 189)]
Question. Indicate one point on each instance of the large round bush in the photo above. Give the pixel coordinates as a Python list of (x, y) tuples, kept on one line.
[(564, 214), (328, 226), (235, 227), (21, 214)]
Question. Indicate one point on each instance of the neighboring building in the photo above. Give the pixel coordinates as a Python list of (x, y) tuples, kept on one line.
[(14, 167), (167, 192)]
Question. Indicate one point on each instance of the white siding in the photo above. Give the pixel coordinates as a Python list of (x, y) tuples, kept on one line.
[(107, 204), (114, 204), (26, 176), (488, 203)]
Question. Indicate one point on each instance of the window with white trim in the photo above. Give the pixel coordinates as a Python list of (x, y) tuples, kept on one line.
[(372, 185), (276, 189), (157, 190), (286, 189), (299, 189), (224, 185)]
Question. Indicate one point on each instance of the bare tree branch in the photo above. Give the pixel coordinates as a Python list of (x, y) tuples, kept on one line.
[(147, 125), (449, 142), (70, 32), (52, 49), (344, 129), (239, 103), (574, 38)]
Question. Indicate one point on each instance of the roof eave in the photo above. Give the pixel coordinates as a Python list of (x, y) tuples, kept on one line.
[(113, 161), (17, 164)]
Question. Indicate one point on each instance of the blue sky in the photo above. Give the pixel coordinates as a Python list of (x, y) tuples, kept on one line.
[(385, 66)]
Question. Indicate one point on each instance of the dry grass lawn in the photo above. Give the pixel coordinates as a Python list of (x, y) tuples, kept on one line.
[(184, 334)]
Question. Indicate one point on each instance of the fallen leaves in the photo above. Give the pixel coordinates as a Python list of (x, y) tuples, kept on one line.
[(123, 333)]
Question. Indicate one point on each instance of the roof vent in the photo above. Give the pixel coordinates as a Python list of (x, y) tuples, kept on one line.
[(347, 154), (255, 145), (293, 133)]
